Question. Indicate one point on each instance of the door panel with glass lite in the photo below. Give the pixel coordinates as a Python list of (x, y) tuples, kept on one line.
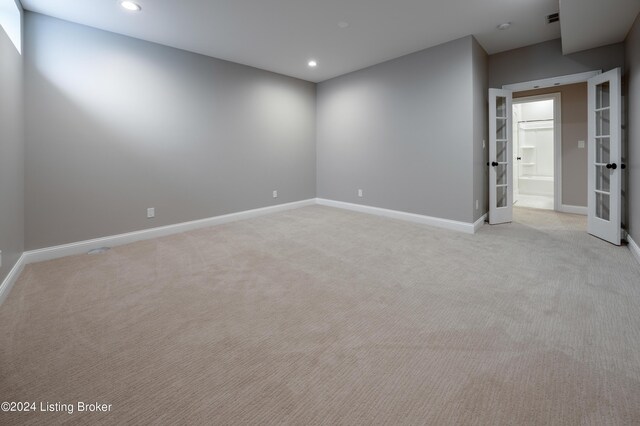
[(604, 177), (500, 163)]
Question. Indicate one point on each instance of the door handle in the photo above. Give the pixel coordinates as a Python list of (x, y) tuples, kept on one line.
[(623, 166), (518, 158), (612, 166), (494, 163)]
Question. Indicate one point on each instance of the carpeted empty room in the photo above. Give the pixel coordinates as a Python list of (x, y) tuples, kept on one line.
[(324, 316), (362, 212)]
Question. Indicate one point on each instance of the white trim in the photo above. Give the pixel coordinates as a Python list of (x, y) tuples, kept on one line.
[(82, 247), (478, 223), (635, 250), (557, 141), (453, 225), (566, 208), (10, 279), (553, 81)]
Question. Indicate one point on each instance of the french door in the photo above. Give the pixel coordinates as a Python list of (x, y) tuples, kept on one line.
[(604, 156), (500, 161)]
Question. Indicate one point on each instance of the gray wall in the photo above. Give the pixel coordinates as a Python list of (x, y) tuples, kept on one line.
[(402, 131), (11, 155), (480, 130), (545, 60), (574, 128), (116, 125), (633, 113)]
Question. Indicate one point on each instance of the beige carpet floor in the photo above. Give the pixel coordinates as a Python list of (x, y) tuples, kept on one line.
[(323, 316)]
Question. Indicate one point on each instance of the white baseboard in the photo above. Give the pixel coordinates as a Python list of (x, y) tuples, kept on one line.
[(453, 225), (565, 208), (478, 223), (635, 250), (81, 247), (146, 234), (10, 279)]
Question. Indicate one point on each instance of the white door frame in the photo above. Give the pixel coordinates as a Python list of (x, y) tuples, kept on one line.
[(557, 141), (563, 80), (581, 77)]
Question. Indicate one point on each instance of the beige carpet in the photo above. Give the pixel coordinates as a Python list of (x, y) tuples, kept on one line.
[(323, 316)]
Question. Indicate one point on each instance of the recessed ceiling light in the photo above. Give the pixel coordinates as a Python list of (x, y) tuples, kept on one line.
[(312, 63), (504, 26), (129, 5), (343, 24)]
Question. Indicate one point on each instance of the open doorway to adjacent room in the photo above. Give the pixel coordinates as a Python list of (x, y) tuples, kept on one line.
[(536, 151)]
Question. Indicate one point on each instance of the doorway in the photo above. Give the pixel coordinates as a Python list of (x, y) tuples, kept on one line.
[(536, 151), (605, 166)]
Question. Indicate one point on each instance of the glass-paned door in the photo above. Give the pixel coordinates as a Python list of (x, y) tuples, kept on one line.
[(604, 177), (500, 161)]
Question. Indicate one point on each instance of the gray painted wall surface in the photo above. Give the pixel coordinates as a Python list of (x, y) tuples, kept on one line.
[(402, 131), (545, 60), (633, 114), (574, 129), (11, 155), (480, 130), (116, 125)]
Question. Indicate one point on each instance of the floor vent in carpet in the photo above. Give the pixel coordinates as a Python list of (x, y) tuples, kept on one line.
[(99, 250)]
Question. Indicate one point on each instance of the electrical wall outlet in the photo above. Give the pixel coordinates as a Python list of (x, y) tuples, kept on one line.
[(151, 212), (275, 194), (580, 144), (477, 205), (360, 193)]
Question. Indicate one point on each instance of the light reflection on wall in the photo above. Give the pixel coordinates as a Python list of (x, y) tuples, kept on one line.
[(11, 22)]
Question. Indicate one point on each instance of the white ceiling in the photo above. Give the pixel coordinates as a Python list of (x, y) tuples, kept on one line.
[(282, 35), (592, 23)]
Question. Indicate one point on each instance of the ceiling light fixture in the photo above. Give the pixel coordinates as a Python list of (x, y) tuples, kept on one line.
[(129, 5), (313, 63), (343, 24), (504, 26)]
